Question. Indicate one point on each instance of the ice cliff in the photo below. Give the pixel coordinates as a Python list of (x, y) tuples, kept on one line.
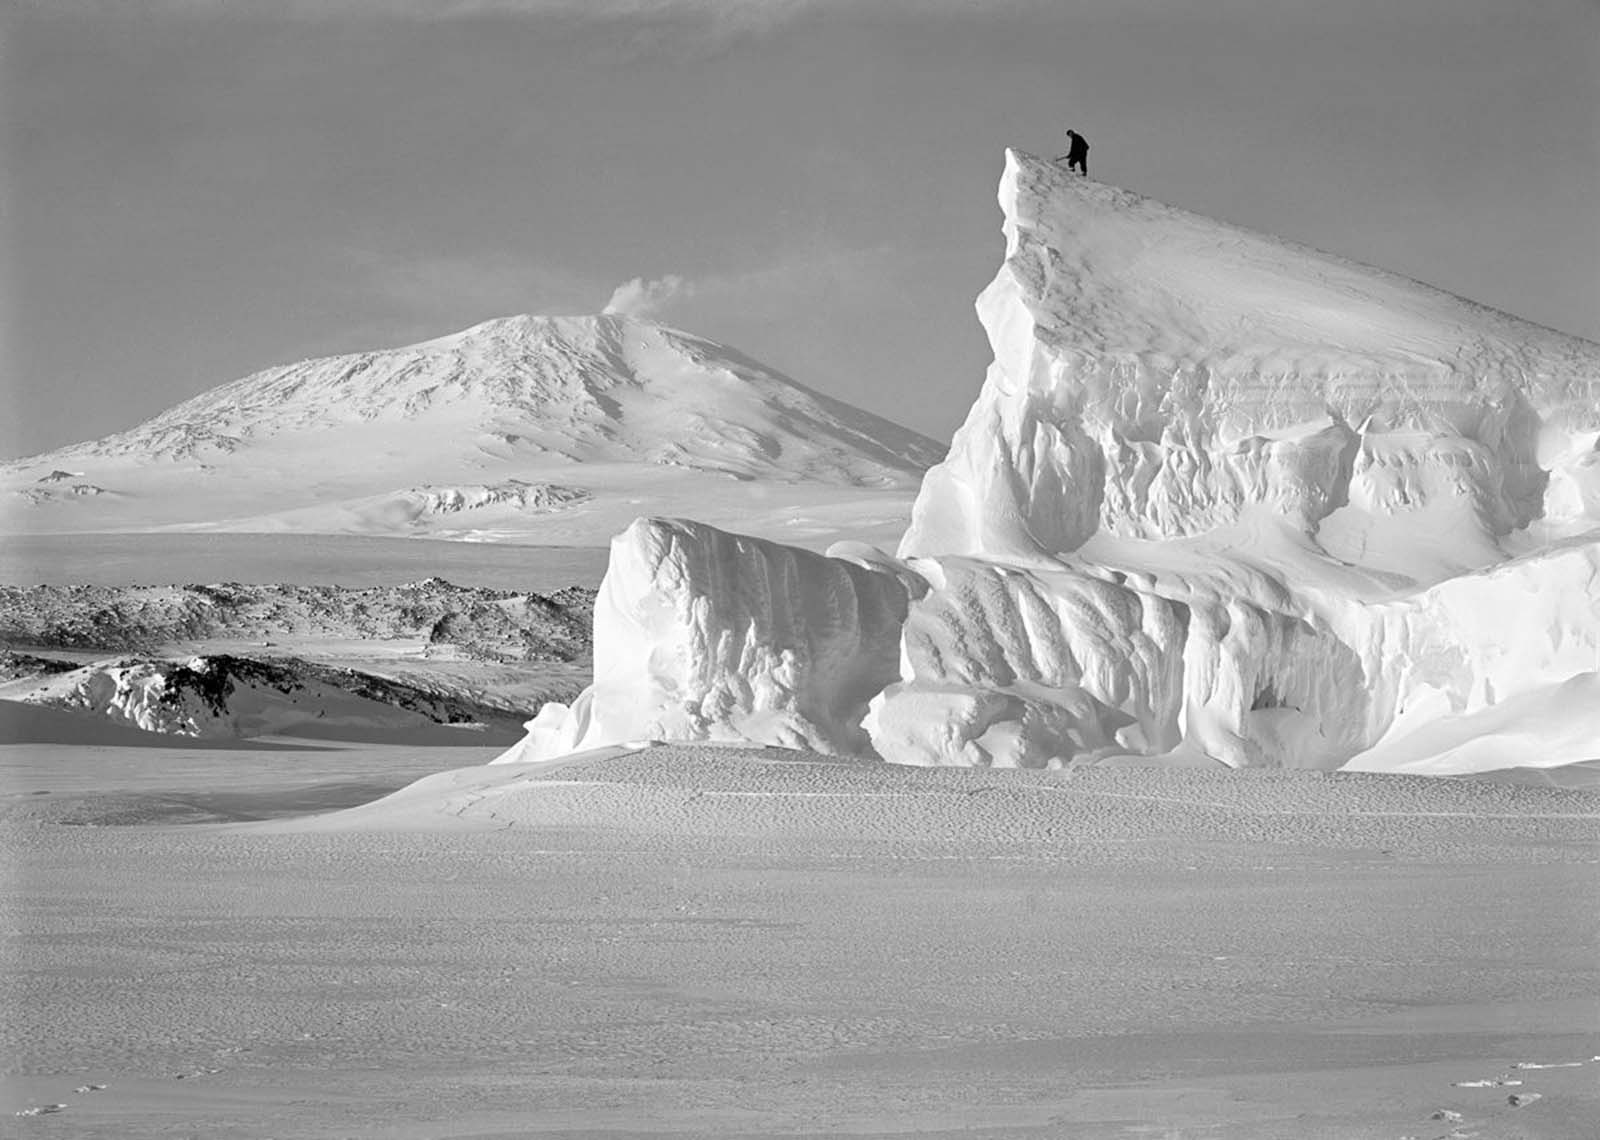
[(1157, 373), (705, 635), (1220, 498)]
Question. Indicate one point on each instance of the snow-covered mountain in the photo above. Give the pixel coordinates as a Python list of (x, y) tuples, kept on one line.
[(1221, 499), (554, 429)]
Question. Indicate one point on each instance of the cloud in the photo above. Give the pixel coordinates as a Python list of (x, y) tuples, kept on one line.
[(641, 298), (796, 280)]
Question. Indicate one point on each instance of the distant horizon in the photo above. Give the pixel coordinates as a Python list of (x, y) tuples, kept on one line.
[(201, 191)]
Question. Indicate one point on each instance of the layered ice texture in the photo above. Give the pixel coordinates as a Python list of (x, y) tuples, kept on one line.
[(1221, 499), (701, 634)]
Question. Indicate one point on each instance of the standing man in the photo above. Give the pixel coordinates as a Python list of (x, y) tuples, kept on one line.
[(1078, 153)]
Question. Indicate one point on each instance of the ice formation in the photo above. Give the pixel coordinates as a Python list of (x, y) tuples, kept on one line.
[(704, 635), (1221, 498)]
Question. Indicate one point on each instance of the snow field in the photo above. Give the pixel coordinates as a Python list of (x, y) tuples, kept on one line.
[(764, 941)]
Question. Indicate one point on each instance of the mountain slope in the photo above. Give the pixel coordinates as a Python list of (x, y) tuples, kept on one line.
[(512, 421)]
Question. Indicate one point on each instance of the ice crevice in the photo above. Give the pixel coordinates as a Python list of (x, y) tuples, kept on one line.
[(1220, 499)]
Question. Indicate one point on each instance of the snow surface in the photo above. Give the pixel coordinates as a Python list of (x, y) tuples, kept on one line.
[(554, 430), (697, 941), (1221, 499)]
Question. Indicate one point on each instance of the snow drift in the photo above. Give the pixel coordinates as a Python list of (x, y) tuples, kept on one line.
[(1221, 498)]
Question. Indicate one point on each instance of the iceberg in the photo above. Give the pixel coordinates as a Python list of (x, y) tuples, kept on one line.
[(1220, 499)]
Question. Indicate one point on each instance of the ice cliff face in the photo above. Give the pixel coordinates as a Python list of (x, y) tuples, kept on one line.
[(705, 635), (1157, 373), (1220, 498)]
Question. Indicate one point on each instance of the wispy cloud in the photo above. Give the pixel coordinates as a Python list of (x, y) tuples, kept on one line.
[(795, 288), (477, 286), (641, 298)]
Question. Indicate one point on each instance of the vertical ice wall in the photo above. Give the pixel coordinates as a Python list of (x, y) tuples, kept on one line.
[(705, 635)]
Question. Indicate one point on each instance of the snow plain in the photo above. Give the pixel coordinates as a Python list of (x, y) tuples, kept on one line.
[(721, 942)]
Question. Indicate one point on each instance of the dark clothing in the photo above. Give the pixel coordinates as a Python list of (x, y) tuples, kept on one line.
[(1077, 153)]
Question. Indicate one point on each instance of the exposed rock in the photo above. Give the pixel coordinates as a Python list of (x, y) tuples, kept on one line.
[(497, 625)]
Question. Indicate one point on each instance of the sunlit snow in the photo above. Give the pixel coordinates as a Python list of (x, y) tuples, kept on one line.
[(1221, 499)]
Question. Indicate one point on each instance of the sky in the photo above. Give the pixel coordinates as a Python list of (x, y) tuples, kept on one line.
[(192, 190)]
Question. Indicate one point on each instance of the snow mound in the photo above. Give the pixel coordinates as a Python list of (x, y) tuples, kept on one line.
[(1220, 499), (36, 496), (427, 509), (517, 493)]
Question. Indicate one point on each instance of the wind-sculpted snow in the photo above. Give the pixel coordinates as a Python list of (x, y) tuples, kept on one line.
[(705, 635), (1014, 667), (1221, 499), (1157, 373), (1513, 632)]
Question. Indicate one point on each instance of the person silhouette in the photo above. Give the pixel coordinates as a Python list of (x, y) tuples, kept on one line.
[(1078, 153)]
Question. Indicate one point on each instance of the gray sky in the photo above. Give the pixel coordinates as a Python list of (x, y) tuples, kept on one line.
[(195, 189)]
